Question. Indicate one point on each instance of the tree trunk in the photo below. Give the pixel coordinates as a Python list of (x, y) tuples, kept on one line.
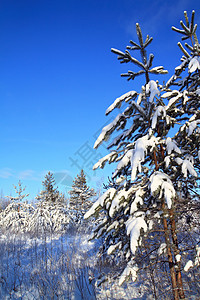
[(176, 251), (170, 257)]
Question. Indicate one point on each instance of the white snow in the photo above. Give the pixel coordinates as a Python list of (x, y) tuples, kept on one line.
[(173, 100), (107, 130), (138, 199), (129, 270), (187, 165), (194, 64), (197, 258), (123, 162), (178, 257), (119, 100), (112, 248), (172, 146), (134, 226), (169, 94), (122, 195), (192, 127), (160, 111), (115, 203), (162, 248), (114, 225), (167, 161), (188, 265), (185, 97), (109, 194), (152, 88), (161, 184), (120, 179), (139, 98), (140, 151), (109, 157)]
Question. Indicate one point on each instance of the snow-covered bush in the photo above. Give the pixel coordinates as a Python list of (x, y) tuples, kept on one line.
[(48, 218), (16, 216)]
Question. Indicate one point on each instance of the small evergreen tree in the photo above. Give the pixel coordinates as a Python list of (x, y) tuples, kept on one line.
[(80, 197), (50, 192), (15, 216), (19, 190), (50, 215)]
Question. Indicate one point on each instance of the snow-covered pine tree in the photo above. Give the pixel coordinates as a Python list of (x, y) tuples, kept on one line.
[(50, 192), (80, 197), (157, 165), (19, 190), (15, 216), (50, 214)]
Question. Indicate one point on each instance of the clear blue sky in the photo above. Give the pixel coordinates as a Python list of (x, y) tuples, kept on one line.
[(58, 76)]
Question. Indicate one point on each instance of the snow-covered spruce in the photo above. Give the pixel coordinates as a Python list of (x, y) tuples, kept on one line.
[(50, 214), (80, 201), (158, 161)]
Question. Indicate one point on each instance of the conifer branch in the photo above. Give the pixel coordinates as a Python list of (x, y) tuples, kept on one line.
[(183, 50), (186, 18)]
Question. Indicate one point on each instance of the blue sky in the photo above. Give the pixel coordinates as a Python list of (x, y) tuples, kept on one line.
[(58, 76)]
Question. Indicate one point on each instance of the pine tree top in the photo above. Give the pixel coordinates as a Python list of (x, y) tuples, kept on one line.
[(50, 192), (80, 189)]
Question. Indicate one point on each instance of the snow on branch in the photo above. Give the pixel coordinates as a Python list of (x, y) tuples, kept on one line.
[(192, 126), (152, 88), (160, 111), (139, 109), (173, 100), (120, 196), (126, 57), (161, 185), (187, 165), (133, 227), (158, 70), (108, 195), (108, 130), (137, 200), (194, 64), (172, 146), (140, 151), (130, 270), (109, 157), (117, 103), (190, 263), (112, 248), (123, 163)]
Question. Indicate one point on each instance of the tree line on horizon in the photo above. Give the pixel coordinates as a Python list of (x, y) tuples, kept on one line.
[(51, 212)]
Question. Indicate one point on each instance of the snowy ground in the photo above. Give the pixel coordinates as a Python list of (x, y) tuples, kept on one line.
[(54, 267)]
